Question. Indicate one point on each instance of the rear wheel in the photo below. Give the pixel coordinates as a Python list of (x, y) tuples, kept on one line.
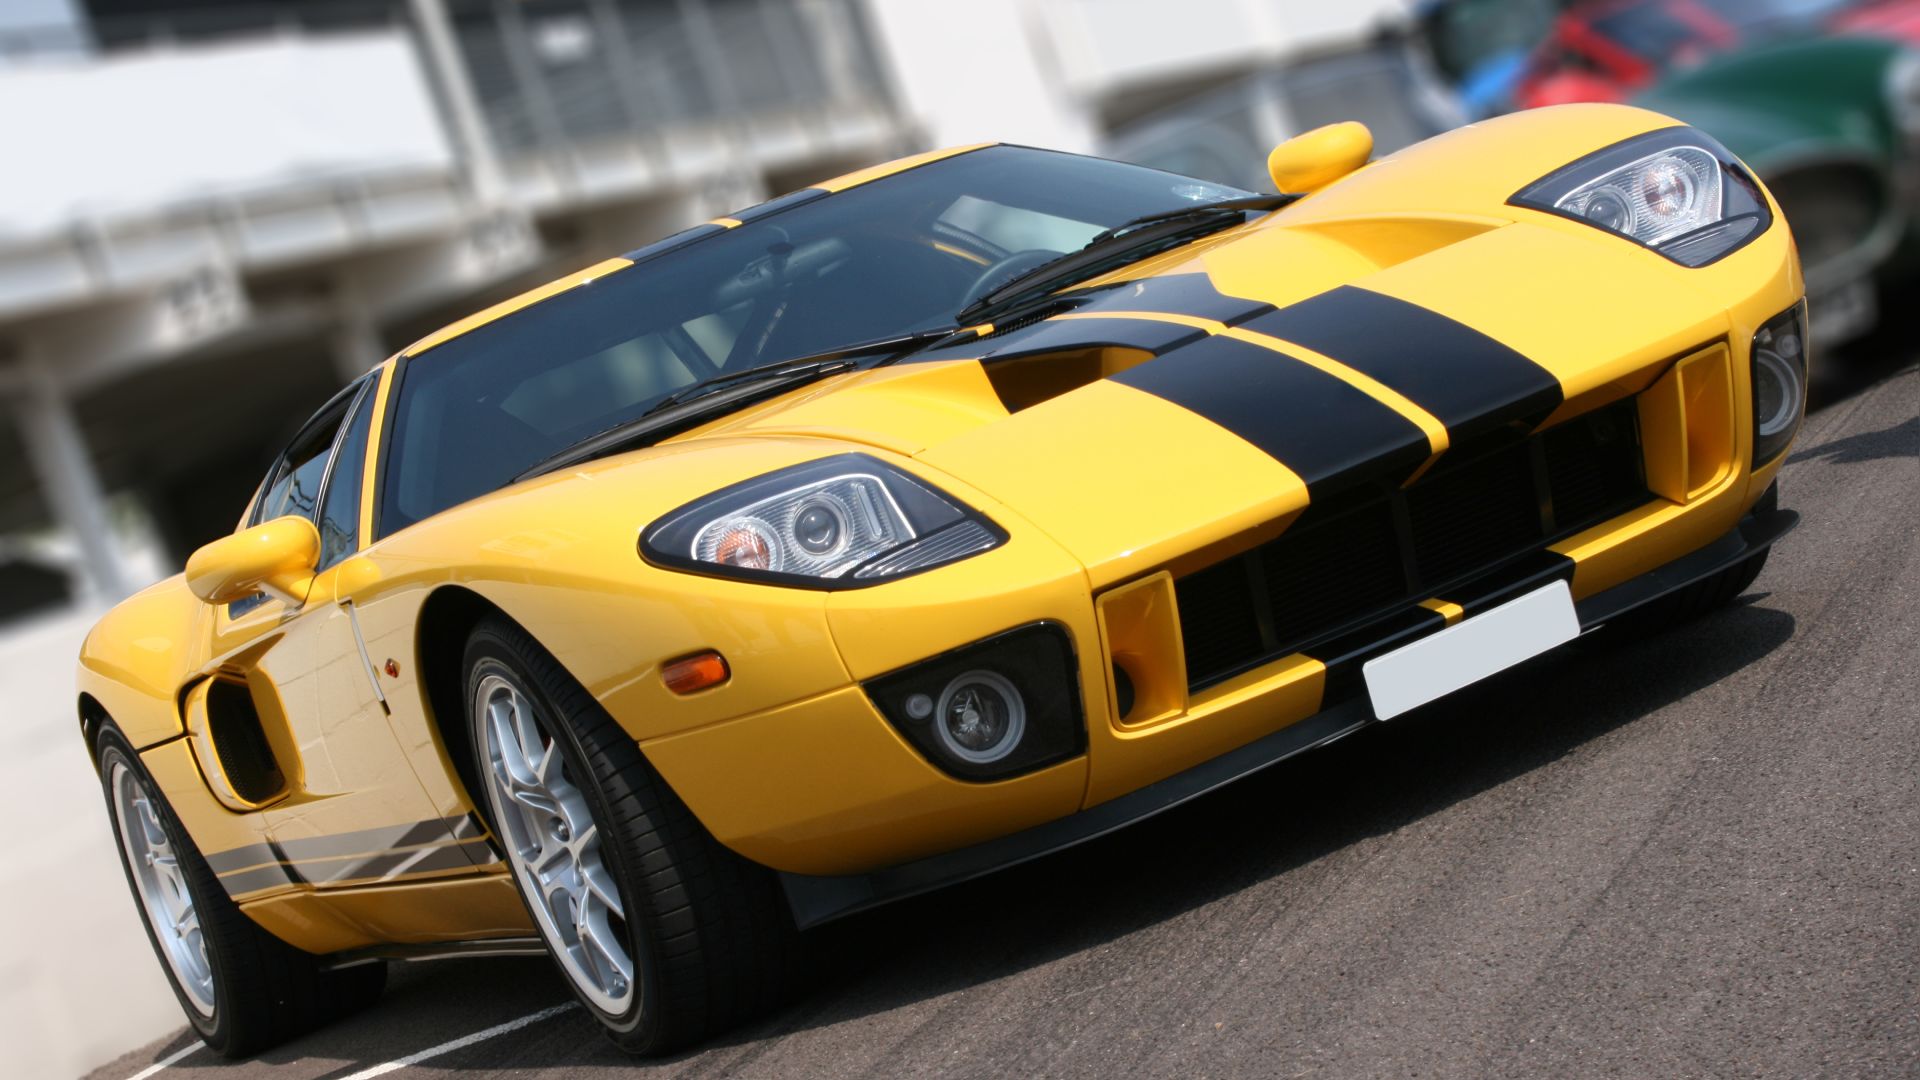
[(243, 989), (659, 930)]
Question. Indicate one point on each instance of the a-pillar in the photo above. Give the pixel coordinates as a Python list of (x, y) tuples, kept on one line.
[(43, 411)]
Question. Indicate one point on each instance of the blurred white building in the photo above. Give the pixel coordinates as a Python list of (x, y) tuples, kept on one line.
[(217, 210)]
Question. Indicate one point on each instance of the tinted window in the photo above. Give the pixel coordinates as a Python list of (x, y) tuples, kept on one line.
[(340, 509), (295, 488), (899, 254), (293, 484)]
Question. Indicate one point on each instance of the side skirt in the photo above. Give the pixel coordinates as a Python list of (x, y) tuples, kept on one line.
[(436, 950)]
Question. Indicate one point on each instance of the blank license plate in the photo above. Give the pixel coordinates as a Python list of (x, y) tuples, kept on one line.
[(1470, 650)]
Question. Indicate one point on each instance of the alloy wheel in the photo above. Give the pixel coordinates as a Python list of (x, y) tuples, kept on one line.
[(554, 846), (161, 886)]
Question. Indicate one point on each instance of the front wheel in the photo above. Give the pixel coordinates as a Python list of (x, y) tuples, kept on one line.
[(659, 930), (243, 989)]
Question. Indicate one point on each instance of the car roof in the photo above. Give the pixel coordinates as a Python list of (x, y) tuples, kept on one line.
[(680, 239)]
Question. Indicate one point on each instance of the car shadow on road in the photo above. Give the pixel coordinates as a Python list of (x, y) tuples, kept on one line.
[(1266, 826), (1897, 441), (1374, 782)]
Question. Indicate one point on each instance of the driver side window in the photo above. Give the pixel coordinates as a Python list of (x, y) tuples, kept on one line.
[(295, 483)]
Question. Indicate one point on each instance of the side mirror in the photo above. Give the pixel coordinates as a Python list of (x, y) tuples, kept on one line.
[(1314, 159), (278, 556)]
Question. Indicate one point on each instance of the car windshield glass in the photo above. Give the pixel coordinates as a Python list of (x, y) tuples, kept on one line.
[(890, 257)]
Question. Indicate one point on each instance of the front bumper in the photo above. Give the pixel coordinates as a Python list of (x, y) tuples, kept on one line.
[(824, 787), (816, 899)]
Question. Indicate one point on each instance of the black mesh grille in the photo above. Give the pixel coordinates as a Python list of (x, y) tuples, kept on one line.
[(1374, 550)]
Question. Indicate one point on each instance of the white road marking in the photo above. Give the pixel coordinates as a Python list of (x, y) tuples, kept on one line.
[(166, 1061), (450, 1047)]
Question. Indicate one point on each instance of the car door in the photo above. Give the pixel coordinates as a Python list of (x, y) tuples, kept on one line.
[(381, 824), (287, 712)]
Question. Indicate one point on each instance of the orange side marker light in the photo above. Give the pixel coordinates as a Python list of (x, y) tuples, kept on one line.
[(697, 672)]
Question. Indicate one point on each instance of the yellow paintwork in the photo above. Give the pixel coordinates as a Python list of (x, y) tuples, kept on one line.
[(275, 555), (1313, 159), (513, 304), (876, 172), (788, 761), (409, 913)]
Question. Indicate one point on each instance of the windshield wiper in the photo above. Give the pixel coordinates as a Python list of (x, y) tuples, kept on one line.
[(1256, 203), (806, 365), (729, 388), (1127, 241)]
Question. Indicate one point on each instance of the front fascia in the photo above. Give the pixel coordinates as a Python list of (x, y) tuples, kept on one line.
[(825, 785), (1606, 318)]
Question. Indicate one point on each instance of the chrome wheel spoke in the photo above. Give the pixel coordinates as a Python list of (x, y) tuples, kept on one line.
[(160, 887), (553, 845), (598, 938), (599, 883)]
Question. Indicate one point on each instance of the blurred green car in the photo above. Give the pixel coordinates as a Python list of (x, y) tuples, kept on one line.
[(1832, 126)]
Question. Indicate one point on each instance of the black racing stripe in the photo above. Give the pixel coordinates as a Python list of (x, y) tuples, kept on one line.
[(253, 881), (455, 857), (1511, 581), (1329, 433), (1065, 335), (399, 864), (1345, 654), (673, 243), (1469, 381), (334, 845), (1178, 294), (240, 858), (773, 206), (307, 848)]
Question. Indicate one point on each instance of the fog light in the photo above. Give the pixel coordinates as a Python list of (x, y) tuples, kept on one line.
[(990, 710), (982, 717), (1779, 382)]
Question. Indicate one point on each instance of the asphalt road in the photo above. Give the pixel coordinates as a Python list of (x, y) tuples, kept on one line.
[(1696, 854)]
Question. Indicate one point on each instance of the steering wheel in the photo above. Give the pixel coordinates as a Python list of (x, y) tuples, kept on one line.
[(1005, 269)]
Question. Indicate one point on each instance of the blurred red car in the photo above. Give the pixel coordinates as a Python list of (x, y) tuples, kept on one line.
[(1886, 18), (1608, 50)]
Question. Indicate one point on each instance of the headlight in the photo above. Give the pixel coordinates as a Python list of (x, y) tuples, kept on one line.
[(1675, 191), (1779, 382), (836, 523)]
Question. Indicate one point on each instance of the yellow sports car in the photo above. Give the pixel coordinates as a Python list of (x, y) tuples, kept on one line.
[(919, 523)]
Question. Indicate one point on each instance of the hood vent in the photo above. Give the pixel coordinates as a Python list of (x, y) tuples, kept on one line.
[(1026, 381)]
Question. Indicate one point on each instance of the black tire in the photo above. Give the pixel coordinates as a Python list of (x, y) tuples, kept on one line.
[(264, 990), (708, 931), (1709, 593)]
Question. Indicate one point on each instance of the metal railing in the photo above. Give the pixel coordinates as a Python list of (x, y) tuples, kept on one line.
[(552, 75)]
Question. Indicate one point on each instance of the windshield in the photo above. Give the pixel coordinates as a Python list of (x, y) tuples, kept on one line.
[(896, 255)]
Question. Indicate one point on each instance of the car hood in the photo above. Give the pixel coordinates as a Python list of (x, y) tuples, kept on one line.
[(1348, 340)]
